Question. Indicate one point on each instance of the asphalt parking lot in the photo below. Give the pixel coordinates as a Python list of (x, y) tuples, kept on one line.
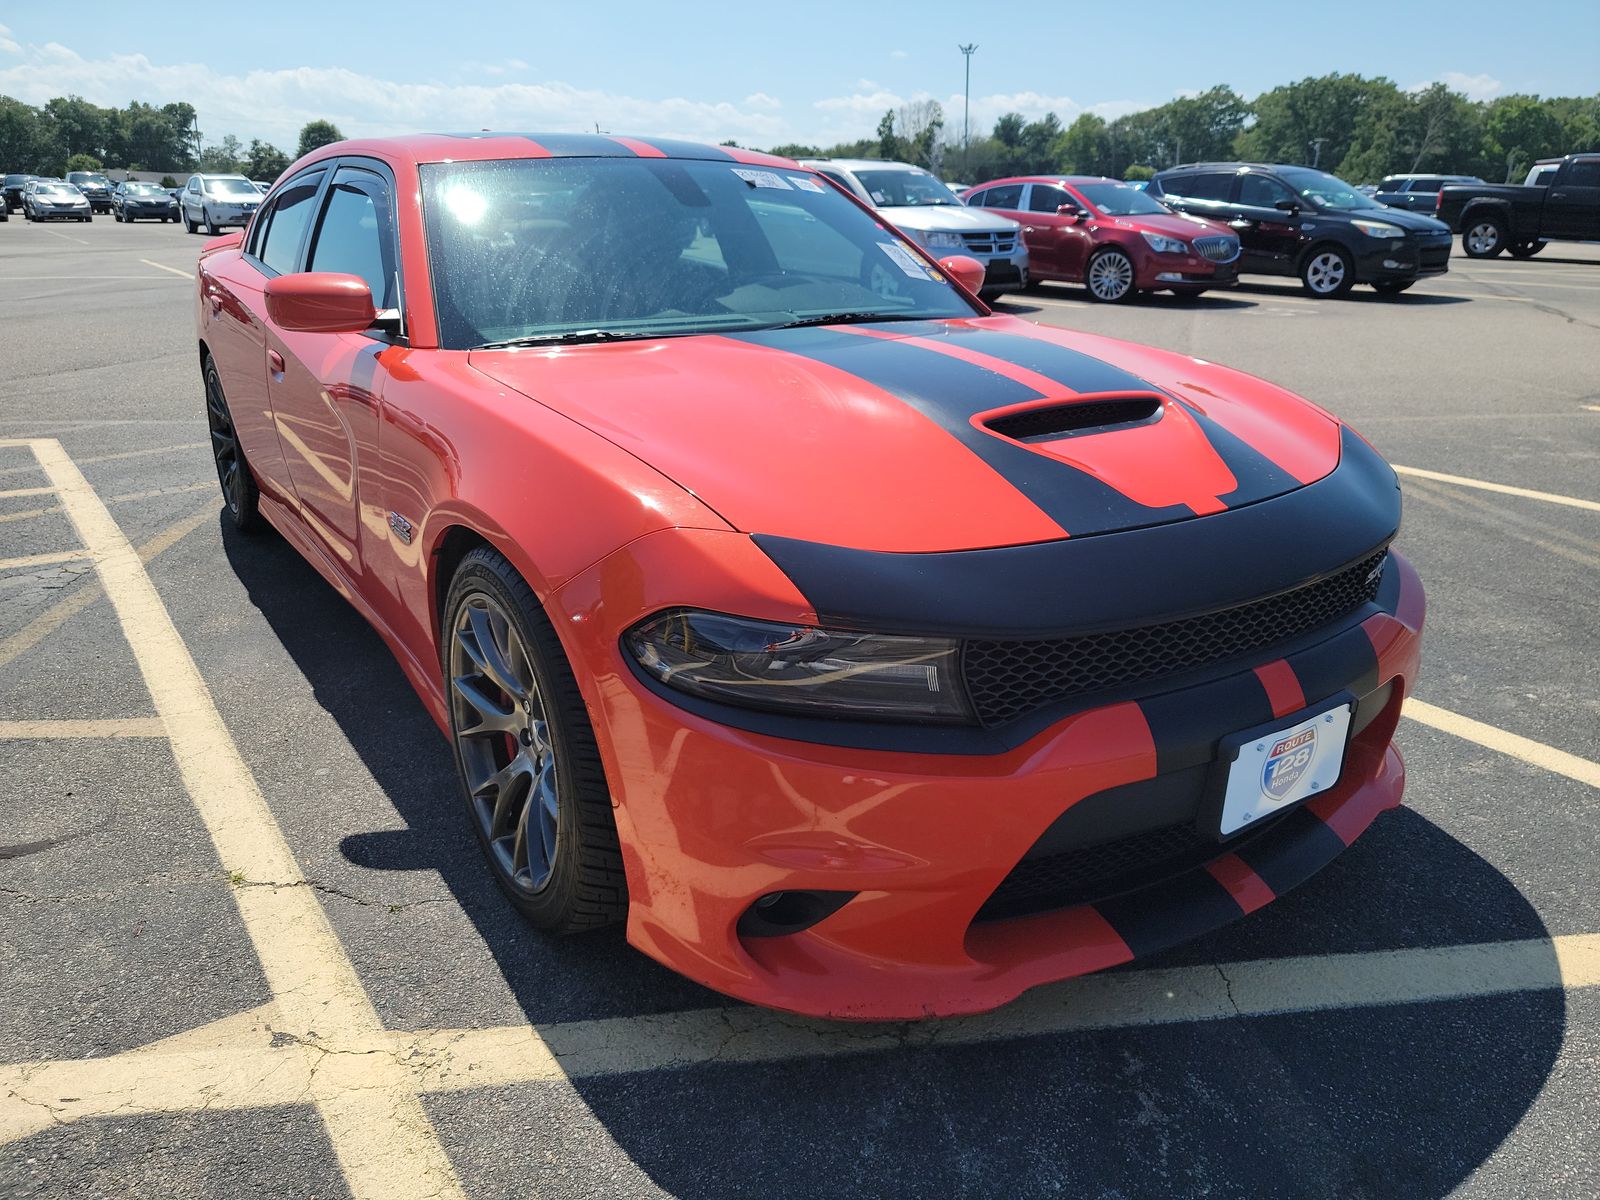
[(248, 949)]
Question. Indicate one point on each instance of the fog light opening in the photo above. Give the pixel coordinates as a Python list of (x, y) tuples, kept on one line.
[(778, 914)]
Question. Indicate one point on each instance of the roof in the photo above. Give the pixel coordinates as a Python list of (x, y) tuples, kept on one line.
[(1072, 180), (491, 144), (864, 164)]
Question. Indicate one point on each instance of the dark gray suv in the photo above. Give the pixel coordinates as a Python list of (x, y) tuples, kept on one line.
[(1417, 193)]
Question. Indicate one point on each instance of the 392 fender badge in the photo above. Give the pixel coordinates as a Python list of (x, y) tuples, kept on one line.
[(401, 527)]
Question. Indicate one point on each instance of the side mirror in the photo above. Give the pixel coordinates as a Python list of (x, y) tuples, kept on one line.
[(320, 302), (1070, 210), (966, 271), (1288, 206)]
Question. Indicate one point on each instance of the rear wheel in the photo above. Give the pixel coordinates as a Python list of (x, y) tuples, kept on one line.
[(239, 490), (1110, 276), (1327, 272), (1484, 237), (1526, 249), (535, 790)]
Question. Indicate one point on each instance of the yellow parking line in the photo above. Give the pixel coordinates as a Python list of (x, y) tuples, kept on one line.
[(1529, 751), (134, 727), (384, 1141), (164, 267), (1503, 488), (238, 1063), (27, 514), (41, 560)]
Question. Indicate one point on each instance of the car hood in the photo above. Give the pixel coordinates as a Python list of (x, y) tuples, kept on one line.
[(1173, 224), (1406, 219), (881, 437), (945, 217)]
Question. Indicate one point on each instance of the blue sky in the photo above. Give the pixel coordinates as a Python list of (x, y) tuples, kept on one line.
[(761, 73)]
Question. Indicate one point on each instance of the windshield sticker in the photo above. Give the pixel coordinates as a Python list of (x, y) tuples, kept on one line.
[(905, 260), (762, 179), (805, 185)]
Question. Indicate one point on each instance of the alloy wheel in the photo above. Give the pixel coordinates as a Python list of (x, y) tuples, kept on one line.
[(1483, 238), (1325, 273), (1110, 276), (504, 741), (224, 445)]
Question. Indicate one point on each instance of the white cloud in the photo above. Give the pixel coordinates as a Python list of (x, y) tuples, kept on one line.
[(899, 54), (762, 100), (8, 44), (1473, 87), (275, 104)]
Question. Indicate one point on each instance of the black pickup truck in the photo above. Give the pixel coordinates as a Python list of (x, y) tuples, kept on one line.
[(1494, 217)]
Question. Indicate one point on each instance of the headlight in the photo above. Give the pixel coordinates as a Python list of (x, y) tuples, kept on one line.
[(937, 240), (801, 669), (1165, 245), (1378, 229)]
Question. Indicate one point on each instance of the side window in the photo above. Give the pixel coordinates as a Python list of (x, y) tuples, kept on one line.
[(285, 225), (977, 199), (1430, 186), (356, 234), (1046, 199), (1200, 186), (1260, 192), (194, 183), (1585, 173), (1006, 196), (839, 179)]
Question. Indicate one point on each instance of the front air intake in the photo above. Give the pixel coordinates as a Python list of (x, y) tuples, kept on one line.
[(1070, 418)]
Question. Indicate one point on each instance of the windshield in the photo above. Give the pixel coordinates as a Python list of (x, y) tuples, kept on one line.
[(1120, 200), (909, 189), (83, 177), (56, 189), (230, 187), (610, 247), (1325, 191), (144, 189)]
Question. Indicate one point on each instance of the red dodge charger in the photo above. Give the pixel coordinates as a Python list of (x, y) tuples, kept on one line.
[(1112, 238), (873, 655)]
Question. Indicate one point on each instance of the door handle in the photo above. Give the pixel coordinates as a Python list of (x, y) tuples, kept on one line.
[(275, 361)]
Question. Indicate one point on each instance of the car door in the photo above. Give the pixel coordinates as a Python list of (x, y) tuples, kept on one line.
[(1063, 233), (325, 388), (1269, 237), (1572, 205)]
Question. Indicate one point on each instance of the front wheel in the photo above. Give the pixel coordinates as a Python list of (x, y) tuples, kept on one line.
[(1328, 273), (1109, 277), (1392, 287), (206, 219), (1526, 249), (239, 489), (1484, 237), (188, 225), (530, 771)]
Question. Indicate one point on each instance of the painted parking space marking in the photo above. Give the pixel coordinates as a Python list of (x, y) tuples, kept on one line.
[(1559, 762), (132, 727), (1504, 489), (163, 267), (42, 560), (117, 456), (242, 1062), (15, 493), (384, 1141)]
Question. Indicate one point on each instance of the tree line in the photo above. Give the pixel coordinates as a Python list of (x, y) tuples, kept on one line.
[(1358, 128), (69, 133)]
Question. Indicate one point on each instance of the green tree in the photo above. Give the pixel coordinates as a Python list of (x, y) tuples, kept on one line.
[(152, 136), (1313, 121), (1085, 147), (223, 158), (888, 143), (1520, 129), (78, 126), (21, 137), (264, 160), (84, 162), (1139, 171), (316, 134), (918, 125)]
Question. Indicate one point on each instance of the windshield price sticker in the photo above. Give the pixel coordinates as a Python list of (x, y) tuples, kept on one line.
[(905, 260), (763, 179), (805, 185)]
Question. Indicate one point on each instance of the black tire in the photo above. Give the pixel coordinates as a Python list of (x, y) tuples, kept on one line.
[(210, 225), (1108, 276), (188, 225), (1526, 249), (239, 490), (1392, 287), (1483, 236), (116, 215), (583, 885), (1327, 272)]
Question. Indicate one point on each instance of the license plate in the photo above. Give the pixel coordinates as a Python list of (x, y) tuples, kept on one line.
[(1277, 768)]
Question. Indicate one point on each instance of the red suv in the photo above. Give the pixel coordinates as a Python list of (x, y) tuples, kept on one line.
[(1112, 238)]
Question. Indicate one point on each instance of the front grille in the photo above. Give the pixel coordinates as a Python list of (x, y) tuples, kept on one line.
[(1218, 249), (1061, 419), (1007, 679), (1435, 256), (1088, 873), (990, 243)]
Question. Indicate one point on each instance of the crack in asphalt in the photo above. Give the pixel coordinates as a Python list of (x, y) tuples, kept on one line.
[(235, 879), (1228, 984)]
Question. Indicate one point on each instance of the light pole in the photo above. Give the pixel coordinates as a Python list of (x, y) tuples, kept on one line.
[(966, 112), (1316, 150)]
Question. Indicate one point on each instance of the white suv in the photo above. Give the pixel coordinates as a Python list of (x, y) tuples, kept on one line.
[(929, 213), (215, 201)]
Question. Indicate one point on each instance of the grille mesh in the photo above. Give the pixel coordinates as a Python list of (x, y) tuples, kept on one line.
[(1218, 249), (990, 243), (1073, 418), (1007, 679), (1092, 872)]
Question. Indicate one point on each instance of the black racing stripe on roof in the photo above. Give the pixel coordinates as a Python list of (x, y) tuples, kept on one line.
[(580, 145), (951, 391), (673, 148)]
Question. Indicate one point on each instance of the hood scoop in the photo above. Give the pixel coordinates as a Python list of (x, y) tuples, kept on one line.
[(1047, 421)]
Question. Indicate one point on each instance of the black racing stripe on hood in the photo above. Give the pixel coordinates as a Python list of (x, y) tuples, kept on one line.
[(950, 392), (1257, 476)]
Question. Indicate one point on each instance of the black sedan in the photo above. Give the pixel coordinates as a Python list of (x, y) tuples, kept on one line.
[(1308, 224), (134, 201), (14, 186)]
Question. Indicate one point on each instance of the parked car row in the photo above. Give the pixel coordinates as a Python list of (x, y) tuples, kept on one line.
[(209, 202), (1560, 202)]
